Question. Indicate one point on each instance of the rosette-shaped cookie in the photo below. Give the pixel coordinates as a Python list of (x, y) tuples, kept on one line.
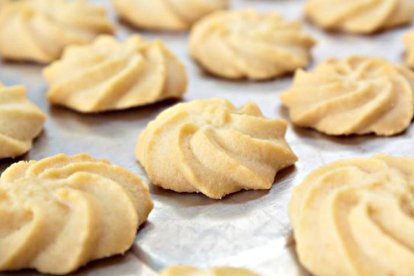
[(20, 121), (355, 217), (409, 48), (169, 15), (249, 44), (59, 213), (111, 75), (38, 30), (212, 147), (356, 16), (355, 95), (216, 271)]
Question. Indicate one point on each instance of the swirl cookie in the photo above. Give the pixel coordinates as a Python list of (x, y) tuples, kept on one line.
[(59, 213), (111, 75), (38, 30), (409, 48), (168, 15), (356, 16), (355, 217), (211, 147), (249, 44), (355, 95), (20, 121), (217, 271)]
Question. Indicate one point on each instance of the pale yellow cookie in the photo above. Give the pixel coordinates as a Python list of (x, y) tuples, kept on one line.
[(168, 15), (355, 95), (20, 122), (355, 217), (111, 75), (249, 44), (3, 3), (409, 48), (38, 30), (62, 212), (359, 16), (209, 146), (216, 271)]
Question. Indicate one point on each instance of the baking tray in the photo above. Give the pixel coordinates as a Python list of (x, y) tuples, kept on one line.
[(248, 229)]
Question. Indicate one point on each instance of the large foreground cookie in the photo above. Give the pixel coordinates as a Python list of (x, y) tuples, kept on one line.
[(38, 30), (212, 147), (359, 16), (409, 48), (59, 213), (170, 15), (355, 217), (355, 95), (249, 44), (217, 271), (20, 121), (112, 75)]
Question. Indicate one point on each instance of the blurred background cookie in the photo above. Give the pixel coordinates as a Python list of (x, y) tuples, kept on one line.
[(249, 44), (38, 30), (20, 121), (165, 15), (357, 16)]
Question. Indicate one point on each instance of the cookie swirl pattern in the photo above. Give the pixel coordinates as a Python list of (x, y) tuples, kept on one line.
[(111, 75), (211, 147), (38, 30), (57, 214), (355, 217), (170, 15), (20, 121), (249, 44), (358, 16), (355, 95)]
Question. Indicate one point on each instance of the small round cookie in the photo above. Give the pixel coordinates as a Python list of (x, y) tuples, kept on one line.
[(209, 146), (20, 121), (409, 48), (111, 75), (216, 271), (60, 213), (166, 15), (355, 217), (354, 95), (38, 30), (249, 44), (356, 16)]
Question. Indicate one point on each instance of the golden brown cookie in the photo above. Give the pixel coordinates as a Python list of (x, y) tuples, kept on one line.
[(20, 121), (211, 147), (216, 271), (167, 15), (249, 44), (355, 95), (112, 75), (359, 16), (355, 217), (60, 213), (38, 30), (409, 48)]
